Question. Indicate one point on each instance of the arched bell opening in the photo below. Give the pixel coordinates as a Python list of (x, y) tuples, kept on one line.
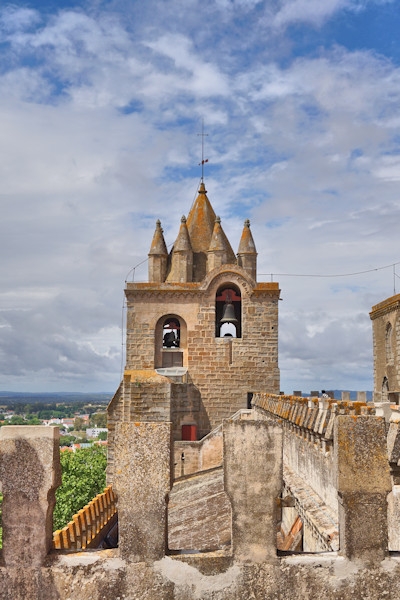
[(171, 333), (170, 342), (228, 312)]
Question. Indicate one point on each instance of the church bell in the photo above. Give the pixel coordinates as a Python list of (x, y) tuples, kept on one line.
[(229, 314)]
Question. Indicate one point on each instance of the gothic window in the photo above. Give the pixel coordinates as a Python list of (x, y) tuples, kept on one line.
[(389, 344), (228, 312)]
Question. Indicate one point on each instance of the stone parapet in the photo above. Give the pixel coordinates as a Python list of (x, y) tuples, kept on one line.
[(141, 568), (312, 417)]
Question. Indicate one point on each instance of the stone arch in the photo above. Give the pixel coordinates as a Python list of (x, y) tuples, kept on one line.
[(235, 275)]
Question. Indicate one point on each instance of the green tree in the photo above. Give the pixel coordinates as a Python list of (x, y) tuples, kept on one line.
[(99, 419), (83, 477), (15, 420), (102, 435), (79, 424)]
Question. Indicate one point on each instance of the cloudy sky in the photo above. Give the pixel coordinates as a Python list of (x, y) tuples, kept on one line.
[(101, 104)]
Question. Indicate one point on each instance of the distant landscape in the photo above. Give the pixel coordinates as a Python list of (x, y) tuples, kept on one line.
[(97, 397), (55, 397)]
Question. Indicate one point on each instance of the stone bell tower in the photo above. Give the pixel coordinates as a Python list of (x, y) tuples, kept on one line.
[(202, 334)]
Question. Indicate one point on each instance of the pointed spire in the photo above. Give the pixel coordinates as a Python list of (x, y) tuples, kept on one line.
[(220, 251), (200, 221), (181, 269), (182, 243), (158, 256), (247, 245), (158, 245), (247, 253)]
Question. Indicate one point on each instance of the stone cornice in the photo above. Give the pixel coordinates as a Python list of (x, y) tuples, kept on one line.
[(383, 308)]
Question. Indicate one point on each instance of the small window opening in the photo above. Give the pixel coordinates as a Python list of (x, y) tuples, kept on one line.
[(171, 333), (389, 344)]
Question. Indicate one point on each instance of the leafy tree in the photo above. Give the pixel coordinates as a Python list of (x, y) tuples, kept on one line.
[(15, 420), (67, 440), (79, 424), (99, 419), (83, 477)]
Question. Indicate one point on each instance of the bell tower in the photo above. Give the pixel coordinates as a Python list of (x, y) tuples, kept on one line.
[(202, 334)]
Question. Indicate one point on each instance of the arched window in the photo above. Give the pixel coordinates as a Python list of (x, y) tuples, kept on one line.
[(389, 344), (170, 342), (228, 312), (385, 389)]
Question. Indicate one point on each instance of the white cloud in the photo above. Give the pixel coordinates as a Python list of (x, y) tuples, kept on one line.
[(99, 121)]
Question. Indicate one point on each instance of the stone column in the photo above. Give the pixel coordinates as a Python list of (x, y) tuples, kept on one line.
[(30, 474), (363, 483), (253, 482), (142, 481)]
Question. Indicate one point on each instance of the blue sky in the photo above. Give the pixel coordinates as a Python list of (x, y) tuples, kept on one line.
[(101, 104)]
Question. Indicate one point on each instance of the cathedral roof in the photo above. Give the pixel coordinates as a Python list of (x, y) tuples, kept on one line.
[(247, 245), (158, 245), (200, 221)]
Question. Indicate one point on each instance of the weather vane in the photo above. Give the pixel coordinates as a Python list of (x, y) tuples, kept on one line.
[(203, 135)]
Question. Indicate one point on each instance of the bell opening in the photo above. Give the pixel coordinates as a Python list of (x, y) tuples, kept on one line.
[(228, 312)]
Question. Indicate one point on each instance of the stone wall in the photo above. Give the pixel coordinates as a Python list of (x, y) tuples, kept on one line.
[(310, 457), (143, 568), (191, 457), (386, 347), (223, 370)]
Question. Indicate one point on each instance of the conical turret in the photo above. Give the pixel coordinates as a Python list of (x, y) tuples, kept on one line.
[(200, 223), (158, 256), (181, 256), (220, 251), (247, 253)]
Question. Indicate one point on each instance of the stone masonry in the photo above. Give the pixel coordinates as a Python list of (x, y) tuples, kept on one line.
[(386, 347), (204, 375)]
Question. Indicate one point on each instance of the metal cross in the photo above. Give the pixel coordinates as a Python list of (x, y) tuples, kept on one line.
[(203, 135)]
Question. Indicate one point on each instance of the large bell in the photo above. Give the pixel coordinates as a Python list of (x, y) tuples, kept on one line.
[(229, 314)]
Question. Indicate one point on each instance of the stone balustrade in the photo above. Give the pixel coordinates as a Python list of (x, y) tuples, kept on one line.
[(85, 527), (313, 417)]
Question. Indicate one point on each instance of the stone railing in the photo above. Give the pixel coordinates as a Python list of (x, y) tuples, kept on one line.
[(313, 417), (85, 527), (310, 457)]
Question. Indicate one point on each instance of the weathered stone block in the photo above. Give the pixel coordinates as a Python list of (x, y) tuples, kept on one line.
[(363, 482), (142, 483), (253, 482), (30, 474)]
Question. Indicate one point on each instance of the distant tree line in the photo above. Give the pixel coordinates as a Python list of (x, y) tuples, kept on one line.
[(49, 410)]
